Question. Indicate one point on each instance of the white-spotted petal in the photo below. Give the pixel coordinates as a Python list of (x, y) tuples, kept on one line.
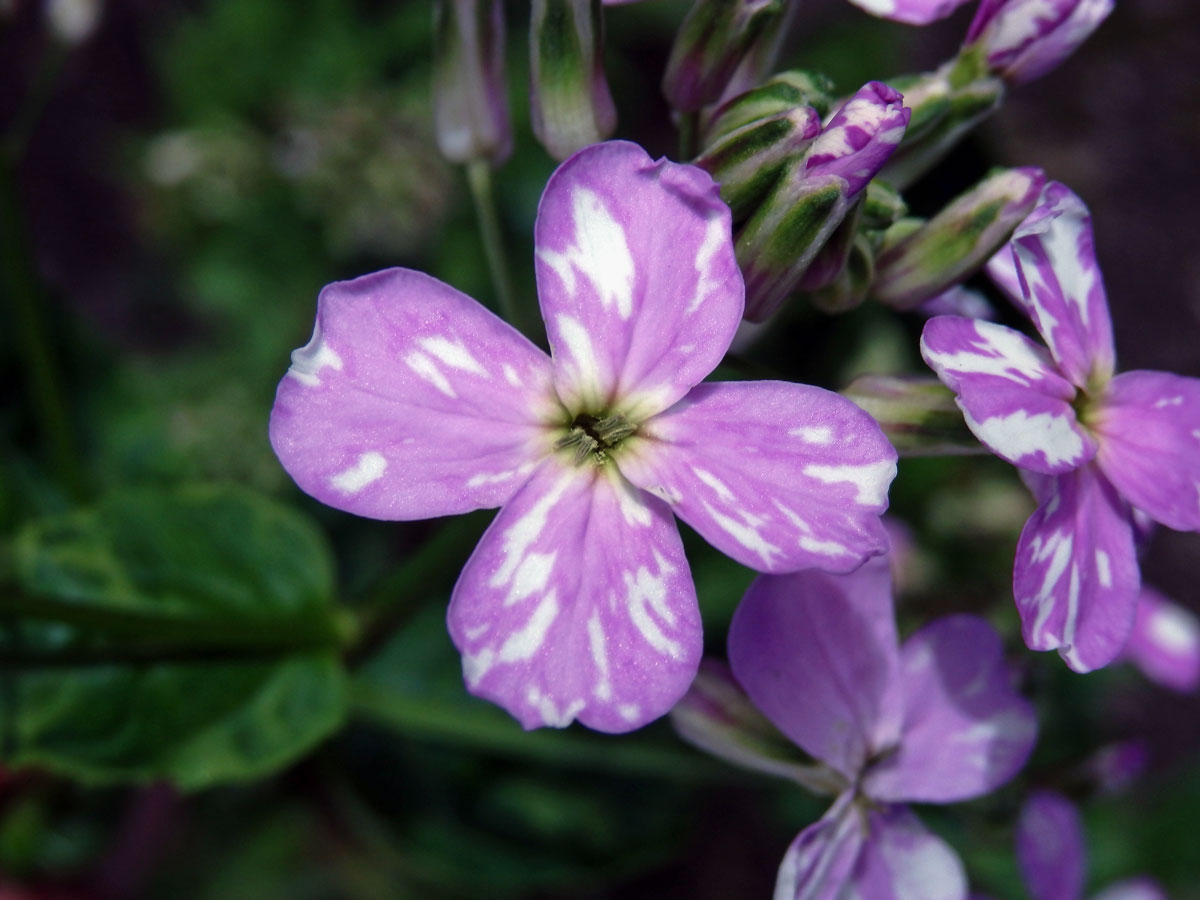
[(411, 401), (578, 604)]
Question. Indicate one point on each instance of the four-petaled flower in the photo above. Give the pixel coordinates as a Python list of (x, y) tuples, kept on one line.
[(933, 721), (1094, 448), (413, 401)]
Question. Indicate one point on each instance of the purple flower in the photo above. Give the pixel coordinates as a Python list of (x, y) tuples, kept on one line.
[(933, 721), (1165, 642), (413, 401), (1052, 856), (911, 12), (1093, 447), (1024, 39)]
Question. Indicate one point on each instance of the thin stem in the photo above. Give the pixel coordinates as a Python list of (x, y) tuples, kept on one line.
[(689, 135), (479, 176)]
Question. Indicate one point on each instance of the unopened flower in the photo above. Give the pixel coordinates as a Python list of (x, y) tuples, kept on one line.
[(413, 401), (470, 100), (911, 12), (1165, 642), (933, 721), (1024, 39), (1094, 448)]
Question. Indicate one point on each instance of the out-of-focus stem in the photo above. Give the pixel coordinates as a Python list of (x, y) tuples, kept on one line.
[(479, 176)]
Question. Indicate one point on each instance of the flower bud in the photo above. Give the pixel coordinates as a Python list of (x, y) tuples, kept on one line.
[(911, 12), (72, 21), (957, 241), (1024, 39), (850, 287), (788, 230), (715, 37), (747, 162), (917, 414), (570, 104), (882, 206), (470, 104), (780, 94), (831, 259)]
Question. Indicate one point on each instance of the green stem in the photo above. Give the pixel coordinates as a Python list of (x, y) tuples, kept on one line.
[(479, 176), (689, 135)]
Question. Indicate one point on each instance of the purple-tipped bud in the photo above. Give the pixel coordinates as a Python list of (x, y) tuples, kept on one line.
[(918, 414), (957, 241), (570, 104), (1024, 39), (860, 137), (470, 103), (747, 162), (714, 39)]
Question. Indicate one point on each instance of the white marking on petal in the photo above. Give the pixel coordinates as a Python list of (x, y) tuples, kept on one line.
[(1072, 618), (475, 666), (1020, 434), (495, 478), (633, 510), (1103, 569), (716, 236), (427, 369), (629, 711), (825, 548), (600, 253), (531, 577), (453, 354), (745, 534), (523, 643), (1167, 401), (1173, 629), (519, 536), (603, 688), (510, 375), (1058, 550), (370, 467), (1001, 352), (871, 479), (475, 632), (579, 345), (1075, 279), (310, 359), (722, 489), (645, 591), (813, 434)]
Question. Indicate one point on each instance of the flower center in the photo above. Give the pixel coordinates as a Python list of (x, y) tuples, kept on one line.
[(595, 437)]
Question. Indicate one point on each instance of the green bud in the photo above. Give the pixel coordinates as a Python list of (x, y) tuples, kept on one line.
[(915, 265), (882, 207), (470, 99), (917, 414), (852, 284), (782, 93)]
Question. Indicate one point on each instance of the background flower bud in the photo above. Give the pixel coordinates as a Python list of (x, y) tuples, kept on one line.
[(780, 94), (713, 40), (958, 240), (1024, 39), (570, 105), (918, 415), (470, 104)]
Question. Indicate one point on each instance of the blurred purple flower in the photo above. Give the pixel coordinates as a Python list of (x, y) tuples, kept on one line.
[(1165, 642), (412, 401), (933, 721), (1024, 39), (1093, 447)]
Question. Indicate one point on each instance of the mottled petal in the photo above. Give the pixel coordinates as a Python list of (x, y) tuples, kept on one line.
[(1050, 847), (1061, 286), (817, 653), (717, 716), (1149, 429), (1011, 395), (411, 401), (860, 137), (637, 279), (911, 12), (1133, 889), (578, 604), (966, 730), (1165, 643), (959, 301), (901, 860), (780, 476), (819, 862), (1076, 576), (1025, 39)]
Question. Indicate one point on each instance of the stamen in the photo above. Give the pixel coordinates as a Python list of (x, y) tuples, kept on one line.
[(593, 437)]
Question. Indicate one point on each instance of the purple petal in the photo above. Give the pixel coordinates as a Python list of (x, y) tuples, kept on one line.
[(860, 137), (1149, 429), (1133, 889), (1050, 847), (819, 862), (1011, 395), (911, 12), (717, 716), (1025, 39), (966, 731), (637, 279), (901, 860), (780, 476), (410, 401), (578, 603), (1165, 643), (1061, 286), (817, 654), (1076, 576), (958, 301)]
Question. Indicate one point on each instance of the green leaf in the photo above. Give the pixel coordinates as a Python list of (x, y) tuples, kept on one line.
[(186, 634)]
